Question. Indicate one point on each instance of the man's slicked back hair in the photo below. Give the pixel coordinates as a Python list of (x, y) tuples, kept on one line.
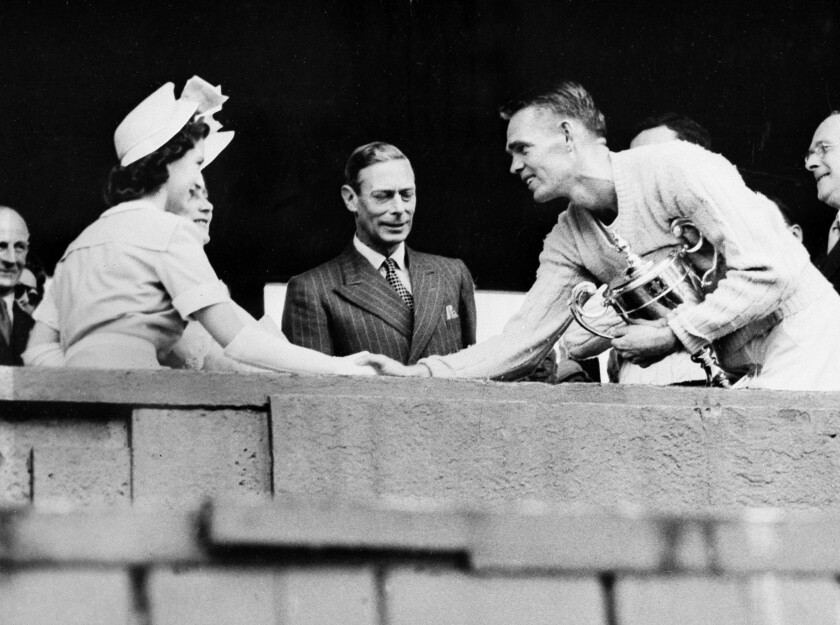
[(366, 155), (568, 99)]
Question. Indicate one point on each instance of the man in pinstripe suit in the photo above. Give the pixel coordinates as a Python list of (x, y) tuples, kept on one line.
[(379, 295)]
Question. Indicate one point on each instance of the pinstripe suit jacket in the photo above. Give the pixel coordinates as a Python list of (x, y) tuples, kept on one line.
[(345, 306), (21, 326)]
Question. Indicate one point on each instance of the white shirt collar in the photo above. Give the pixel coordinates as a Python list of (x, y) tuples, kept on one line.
[(376, 259)]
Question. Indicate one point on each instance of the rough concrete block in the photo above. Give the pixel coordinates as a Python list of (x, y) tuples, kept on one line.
[(472, 452), (108, 536), (80, 476), (775, 457), (76, 425), (772, 540), (686, 600), (183, 456), (15, 473), (795, 600), (324, 523), (69, 597), (211, 596), (417, 597), (588, 541), (326, 596), (759, 599)]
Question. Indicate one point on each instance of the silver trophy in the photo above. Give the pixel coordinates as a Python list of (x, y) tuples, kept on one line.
[(651, 290)]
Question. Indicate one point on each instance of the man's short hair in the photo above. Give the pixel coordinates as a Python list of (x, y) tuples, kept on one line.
[(686, 128), (568, 99), (366, 155)]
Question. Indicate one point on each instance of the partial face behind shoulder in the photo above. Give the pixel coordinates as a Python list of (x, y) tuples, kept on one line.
[(185, 190), (541, 153), (14, 246), (384, 205), (826, 167)]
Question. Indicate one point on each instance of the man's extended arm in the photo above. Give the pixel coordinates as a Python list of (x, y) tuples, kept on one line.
[(529, 335)]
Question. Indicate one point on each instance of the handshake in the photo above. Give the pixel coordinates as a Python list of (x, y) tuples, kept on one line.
[(365, 363)]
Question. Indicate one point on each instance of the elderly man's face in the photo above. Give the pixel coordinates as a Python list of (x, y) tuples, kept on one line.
[(384, 205), (14, 246), (540, 153), (823, 160)]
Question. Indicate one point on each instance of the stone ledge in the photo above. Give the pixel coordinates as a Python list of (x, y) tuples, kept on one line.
[(186, 388)]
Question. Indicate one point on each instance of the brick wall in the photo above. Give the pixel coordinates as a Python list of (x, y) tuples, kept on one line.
[(482, 502), (327, 561), (170, 438)]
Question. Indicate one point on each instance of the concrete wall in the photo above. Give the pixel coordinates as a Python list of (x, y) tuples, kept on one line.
[(323, 562), (77, 437)]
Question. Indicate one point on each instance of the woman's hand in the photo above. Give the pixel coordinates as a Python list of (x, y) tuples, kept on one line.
[(388, 366)]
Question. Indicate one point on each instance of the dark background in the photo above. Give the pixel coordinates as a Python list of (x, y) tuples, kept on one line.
[(311, 80)]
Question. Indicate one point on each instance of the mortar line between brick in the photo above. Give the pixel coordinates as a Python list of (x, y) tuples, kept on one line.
[(130, 440), (31, 475), (379, 577), (140, 603), (269, 421), (607, 581)]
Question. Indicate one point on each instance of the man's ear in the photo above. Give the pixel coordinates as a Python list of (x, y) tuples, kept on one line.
[(349, 196), (568, 132)]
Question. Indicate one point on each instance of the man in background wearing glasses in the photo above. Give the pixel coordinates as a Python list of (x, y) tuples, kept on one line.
[(823, 160), (15, 323)]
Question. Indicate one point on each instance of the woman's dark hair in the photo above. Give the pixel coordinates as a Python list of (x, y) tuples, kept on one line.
[(148, 173)]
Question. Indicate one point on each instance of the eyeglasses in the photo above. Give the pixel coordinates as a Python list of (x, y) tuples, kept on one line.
[(820, 149)]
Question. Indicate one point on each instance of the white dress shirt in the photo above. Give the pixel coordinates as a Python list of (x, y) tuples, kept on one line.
[(376, 259)]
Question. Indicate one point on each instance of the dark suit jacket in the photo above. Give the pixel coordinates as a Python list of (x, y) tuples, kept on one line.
[(21, 326), (345, 306), (829, 265)]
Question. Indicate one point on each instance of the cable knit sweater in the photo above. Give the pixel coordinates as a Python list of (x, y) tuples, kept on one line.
[(767, 273)]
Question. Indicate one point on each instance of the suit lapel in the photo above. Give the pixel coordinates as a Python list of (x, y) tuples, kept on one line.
[(367, 289), (830, 263), (428, 301)]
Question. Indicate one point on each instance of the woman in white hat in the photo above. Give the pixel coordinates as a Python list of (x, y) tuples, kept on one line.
[(123, 290)]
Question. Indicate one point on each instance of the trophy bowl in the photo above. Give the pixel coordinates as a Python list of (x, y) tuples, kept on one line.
[(650, 291)]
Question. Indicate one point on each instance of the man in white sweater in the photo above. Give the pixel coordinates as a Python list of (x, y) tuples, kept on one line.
[(771, 315)]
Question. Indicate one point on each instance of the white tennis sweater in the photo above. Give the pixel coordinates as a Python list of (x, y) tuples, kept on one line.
[(766, 273)]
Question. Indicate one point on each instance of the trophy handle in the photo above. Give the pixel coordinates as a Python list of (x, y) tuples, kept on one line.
[(580, 295), (678, 228)]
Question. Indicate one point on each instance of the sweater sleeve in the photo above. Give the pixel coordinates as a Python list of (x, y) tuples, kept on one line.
[(762, 259), (532, 331)]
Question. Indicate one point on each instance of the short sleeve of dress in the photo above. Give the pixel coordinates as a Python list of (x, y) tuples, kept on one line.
[(187, 275)]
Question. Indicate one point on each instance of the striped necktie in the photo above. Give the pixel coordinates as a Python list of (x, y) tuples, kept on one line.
[(5, 322), (394, 280)]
